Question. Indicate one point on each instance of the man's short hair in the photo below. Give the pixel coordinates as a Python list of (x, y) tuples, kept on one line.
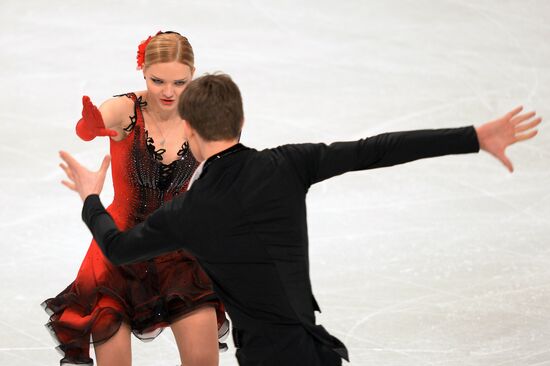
[(212, 105)]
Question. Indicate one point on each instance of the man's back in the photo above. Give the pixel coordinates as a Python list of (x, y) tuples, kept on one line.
[(251, 207)]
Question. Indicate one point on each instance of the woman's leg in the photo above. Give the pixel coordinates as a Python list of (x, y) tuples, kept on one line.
[(117, 351), (196, 335)]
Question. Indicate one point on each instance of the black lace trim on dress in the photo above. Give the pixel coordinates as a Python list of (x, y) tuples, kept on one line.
[(184, 149), (166, 170), (157, 154), (138, 103)]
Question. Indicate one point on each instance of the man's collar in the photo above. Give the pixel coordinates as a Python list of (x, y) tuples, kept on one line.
[(230, 150), (201, 170)]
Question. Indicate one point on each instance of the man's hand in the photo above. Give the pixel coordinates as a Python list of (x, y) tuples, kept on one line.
[(495, 136), (82, 180)]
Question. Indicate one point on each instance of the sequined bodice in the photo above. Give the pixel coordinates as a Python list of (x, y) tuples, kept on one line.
[(141, 180)]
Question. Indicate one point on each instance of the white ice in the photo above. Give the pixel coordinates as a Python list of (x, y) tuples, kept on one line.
[(441, 262)]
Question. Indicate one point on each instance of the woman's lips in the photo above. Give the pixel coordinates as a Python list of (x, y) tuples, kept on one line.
[(167, 101)]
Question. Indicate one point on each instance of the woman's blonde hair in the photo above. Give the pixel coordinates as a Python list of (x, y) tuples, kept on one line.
[(169, 47)]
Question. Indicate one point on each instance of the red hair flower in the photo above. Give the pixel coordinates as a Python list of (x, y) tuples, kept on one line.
[(141, 52)]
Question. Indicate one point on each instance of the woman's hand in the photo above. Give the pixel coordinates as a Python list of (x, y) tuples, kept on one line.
[(91, 124)]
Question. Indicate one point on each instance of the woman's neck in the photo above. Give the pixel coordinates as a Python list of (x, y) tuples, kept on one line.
[(160, 115)]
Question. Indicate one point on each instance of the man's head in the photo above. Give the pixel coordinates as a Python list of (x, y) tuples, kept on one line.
[(213, 108)]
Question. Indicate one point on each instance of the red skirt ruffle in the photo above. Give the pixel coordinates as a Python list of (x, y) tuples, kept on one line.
[(148, 296)]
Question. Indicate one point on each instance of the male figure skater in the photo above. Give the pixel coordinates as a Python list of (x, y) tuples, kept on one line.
[(244, 217)]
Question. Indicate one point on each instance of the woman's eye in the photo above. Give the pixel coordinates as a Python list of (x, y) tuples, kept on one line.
[(180, 82), (156, 81)]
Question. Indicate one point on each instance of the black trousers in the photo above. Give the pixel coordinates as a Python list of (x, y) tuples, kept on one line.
[(288, 345)]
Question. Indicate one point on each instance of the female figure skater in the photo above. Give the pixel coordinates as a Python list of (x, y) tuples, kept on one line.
[(152, 163)]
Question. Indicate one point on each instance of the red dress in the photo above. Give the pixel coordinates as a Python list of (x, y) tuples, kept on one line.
[(148, 295)]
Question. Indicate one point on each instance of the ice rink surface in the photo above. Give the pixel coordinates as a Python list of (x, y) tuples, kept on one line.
[(442, 262)]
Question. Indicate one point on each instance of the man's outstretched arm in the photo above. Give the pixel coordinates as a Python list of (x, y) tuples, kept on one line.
[(317, 162)]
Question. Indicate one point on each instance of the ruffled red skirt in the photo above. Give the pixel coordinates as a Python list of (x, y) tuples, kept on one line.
[(148, 296)]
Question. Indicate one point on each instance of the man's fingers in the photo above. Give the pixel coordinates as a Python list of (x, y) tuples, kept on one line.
[(74, 166), (105, 164), (513, 112), (69, 185), (67, 158), (528, 126), (526, 136), (522, 117), (507, 163), (67, 171)]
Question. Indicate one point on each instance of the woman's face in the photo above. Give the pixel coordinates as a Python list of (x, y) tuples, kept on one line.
[(165, 82)]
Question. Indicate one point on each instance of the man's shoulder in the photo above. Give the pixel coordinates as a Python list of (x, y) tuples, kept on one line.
[(288, 149), (267, 161)]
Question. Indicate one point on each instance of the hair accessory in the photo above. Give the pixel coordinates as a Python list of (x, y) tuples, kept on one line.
[(141, 51)]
